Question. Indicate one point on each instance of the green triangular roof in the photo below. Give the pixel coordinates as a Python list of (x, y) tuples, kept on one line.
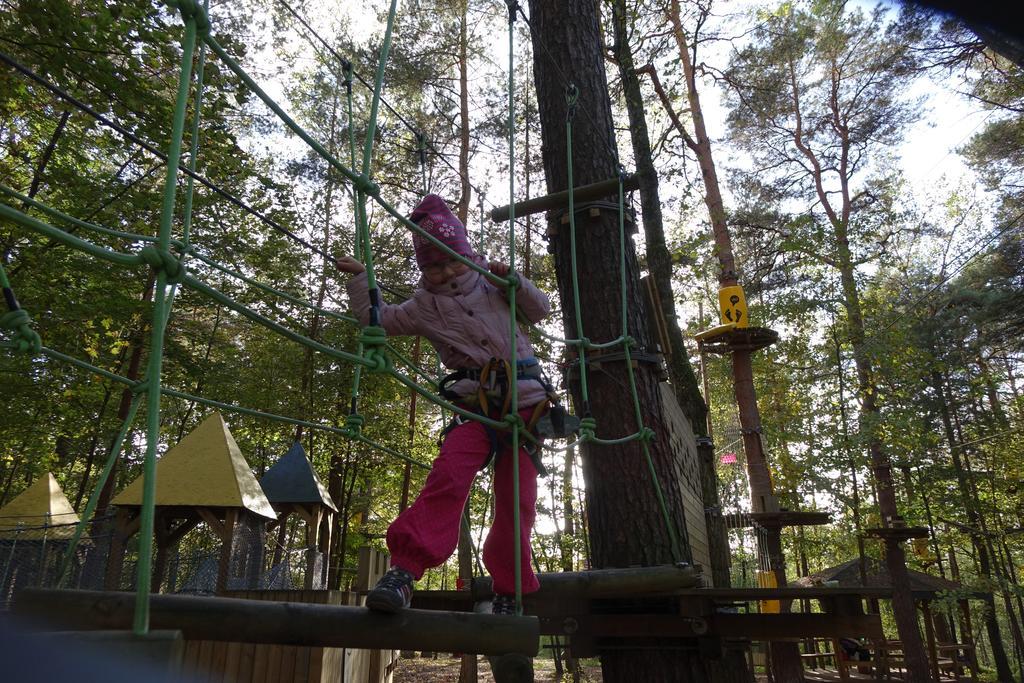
[(292, 479), (205, 469), (43, 504)]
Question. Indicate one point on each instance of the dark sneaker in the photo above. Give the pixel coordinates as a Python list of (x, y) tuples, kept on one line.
[(504, 603), (392, 593)]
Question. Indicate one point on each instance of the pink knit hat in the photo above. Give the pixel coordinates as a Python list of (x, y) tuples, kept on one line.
[(435, 218)]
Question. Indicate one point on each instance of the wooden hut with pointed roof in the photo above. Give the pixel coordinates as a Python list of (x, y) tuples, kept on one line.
[(292, 486), (41, 510), (204, 478), (947, 657), (35, 528)]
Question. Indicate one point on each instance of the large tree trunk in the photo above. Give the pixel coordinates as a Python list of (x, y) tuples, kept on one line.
[(626, 524)]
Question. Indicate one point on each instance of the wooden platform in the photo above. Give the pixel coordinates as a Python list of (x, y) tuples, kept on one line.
[(740, 339), (775, 520)]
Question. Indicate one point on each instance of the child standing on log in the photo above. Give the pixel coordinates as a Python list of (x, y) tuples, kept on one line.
[(466, 318)]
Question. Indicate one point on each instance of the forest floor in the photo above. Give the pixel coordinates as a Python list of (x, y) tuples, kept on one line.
[(445, 669)]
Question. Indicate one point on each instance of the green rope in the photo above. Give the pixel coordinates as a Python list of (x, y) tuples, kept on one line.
[(514, 420), (405, 360), (89, 367), (23, 339), (421, 152), (586, 430), (365, 185), (161, 309)]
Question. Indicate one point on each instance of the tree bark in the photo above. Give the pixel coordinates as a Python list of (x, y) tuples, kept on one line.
[(626, 525)]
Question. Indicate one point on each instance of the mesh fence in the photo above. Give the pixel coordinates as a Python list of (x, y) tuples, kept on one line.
[(35, 557)]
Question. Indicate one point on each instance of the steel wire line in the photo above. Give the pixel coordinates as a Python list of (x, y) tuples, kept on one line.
[(347, 64)]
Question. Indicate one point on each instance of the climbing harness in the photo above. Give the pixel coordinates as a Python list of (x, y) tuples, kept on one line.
[(493, 398)]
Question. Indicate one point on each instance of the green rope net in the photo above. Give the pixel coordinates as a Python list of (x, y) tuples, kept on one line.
[(165, 256)]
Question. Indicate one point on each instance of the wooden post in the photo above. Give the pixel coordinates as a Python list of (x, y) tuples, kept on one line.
[(162, 532), (325, 545), (126, 523), (967, 635), (929, 634), (282, 535), (312, 531)]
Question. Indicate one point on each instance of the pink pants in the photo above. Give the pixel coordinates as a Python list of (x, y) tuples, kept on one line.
[(426, 533)]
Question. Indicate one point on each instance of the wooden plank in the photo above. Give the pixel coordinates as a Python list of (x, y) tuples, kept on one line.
[(274, 663), (232, 662), (218, 662), (259, 665), (287, 663), (190, 658), (301, 672), (246, 662), (205, 660), (316, 666)]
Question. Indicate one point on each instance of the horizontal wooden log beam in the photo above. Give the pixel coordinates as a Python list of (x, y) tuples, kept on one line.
[(794, 626), (282, 623), (788, 593), (604, 583), (557, 200)]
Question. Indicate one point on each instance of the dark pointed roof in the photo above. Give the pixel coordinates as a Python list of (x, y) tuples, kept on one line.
[(292, 479), (847, 575)]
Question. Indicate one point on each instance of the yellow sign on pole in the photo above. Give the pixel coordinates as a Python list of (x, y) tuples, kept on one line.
[(732, 306), (767, 579)]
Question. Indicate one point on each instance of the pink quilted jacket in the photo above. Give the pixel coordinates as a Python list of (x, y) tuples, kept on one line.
[(466, 319)]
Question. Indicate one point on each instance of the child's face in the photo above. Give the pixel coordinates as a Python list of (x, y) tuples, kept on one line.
[(441, 272)]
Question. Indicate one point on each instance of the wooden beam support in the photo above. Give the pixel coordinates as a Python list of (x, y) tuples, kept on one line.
[(604, 583), (258, 621), (582, 193)]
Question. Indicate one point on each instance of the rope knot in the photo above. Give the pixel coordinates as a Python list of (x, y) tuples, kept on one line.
[(160, 259), (585, 343), (373, 339), (192, 9), (588, 426), (514, 421), (367, 186), (628, 342), (354, 424), (572, 96), (513, 280), (26, 339), (139, 387), (646, 434)]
